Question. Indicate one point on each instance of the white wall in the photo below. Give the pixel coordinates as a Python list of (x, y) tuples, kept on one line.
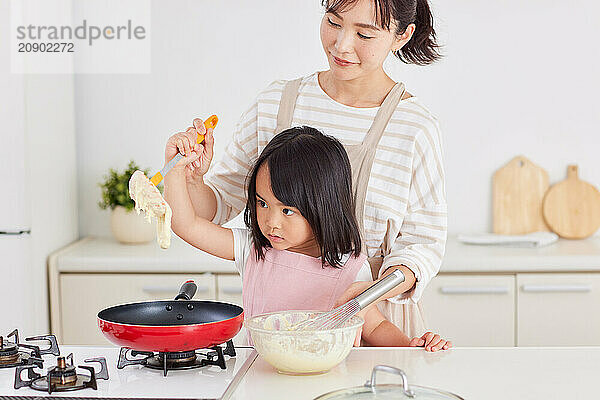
[(52, 170), (43, 120), (518, 78)]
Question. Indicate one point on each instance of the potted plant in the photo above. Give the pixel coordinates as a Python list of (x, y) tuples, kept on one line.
[(126, 224)]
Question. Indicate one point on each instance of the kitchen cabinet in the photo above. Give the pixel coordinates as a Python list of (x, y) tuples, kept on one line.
[(558, 309), (229, 290), (84, 295), (472, 310), (535, 309)]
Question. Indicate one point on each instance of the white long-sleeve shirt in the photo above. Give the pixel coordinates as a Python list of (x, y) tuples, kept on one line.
[(405, 209)]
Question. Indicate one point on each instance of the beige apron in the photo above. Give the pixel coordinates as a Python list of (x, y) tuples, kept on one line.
[(408, 317)]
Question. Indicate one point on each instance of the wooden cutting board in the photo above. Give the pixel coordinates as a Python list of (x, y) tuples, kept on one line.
[(518, 190), (572, 207)]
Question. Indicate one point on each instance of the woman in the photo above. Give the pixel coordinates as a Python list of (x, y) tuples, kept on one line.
[(392, 140)]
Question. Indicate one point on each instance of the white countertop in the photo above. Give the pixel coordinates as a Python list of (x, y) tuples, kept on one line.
[(473, 373), (563, 255), (106, 255), (101, 254)]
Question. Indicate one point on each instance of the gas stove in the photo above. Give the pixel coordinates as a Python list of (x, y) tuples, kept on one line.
[(192, 375), (13, 353)]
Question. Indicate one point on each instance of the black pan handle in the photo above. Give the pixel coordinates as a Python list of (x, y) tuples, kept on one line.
[(187, 291)]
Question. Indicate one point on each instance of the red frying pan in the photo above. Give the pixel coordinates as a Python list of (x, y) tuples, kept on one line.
[(170, 326)]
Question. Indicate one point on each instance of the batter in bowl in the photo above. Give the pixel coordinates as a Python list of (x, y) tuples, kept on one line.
[(300, 352)]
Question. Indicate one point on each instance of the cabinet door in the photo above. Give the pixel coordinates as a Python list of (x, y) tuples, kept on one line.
[(84, 295), (558, 309), (229, 290), (472, 310)]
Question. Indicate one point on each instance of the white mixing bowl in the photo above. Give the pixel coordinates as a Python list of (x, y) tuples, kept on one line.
[(300, 352)]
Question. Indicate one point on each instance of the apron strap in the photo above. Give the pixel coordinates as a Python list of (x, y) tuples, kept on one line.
[(362, 156), (287, 105), (382, 118)]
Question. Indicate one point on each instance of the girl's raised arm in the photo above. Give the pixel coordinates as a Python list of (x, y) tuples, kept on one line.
[(194, 229)]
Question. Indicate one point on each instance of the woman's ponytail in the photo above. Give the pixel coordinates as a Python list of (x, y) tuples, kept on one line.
[(422, 48)]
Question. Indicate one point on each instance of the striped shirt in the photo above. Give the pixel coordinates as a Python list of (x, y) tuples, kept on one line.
[(405, 208)]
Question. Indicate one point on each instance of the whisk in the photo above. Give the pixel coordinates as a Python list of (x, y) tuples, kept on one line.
[(338, 316)]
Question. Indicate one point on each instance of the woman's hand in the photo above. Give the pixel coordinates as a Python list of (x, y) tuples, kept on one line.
[(431, 342), (185, 143)]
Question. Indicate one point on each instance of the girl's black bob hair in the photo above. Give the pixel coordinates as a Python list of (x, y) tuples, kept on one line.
[(311, 172), (422, 48)]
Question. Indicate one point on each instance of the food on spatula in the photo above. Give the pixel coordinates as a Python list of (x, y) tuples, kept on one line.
[(147, 198)]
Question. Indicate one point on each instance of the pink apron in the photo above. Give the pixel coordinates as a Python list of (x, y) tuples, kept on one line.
[(285, 280)]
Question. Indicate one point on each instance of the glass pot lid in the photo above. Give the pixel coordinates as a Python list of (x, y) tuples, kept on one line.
[(370, 390)]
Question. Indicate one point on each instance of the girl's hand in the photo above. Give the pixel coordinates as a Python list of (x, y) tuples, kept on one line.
[(431, 341), (186, 163), (185, 143)]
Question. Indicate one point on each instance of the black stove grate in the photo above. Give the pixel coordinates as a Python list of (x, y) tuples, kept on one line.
[(178, 360), (13, 353), (66, 369)]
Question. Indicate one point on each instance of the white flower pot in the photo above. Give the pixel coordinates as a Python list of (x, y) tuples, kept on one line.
[(130, 228)]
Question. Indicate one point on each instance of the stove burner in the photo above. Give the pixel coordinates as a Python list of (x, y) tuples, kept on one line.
[(9, 352), (14, 353), (62, 377), (176, 360), (62, 374)]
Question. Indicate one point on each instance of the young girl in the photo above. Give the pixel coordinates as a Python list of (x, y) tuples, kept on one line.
[(302, 246)]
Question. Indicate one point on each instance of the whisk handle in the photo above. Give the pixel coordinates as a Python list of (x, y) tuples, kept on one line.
[(380, 288)]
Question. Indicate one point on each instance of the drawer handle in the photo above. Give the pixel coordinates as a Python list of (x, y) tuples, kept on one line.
[(170, 289), (556, 288), (232, 290), (474, 290)]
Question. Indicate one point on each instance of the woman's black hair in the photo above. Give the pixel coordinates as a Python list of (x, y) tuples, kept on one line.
[(422, 48), (311, 172)]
